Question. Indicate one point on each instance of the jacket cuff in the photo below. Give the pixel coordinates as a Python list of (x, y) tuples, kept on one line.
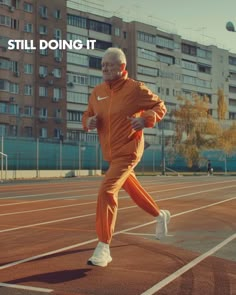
[(149, 118)]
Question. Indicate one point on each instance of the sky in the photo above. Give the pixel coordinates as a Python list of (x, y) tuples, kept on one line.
[(202, 21)]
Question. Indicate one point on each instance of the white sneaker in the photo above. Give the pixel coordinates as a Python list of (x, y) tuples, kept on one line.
[(162, 220), (101, 255)]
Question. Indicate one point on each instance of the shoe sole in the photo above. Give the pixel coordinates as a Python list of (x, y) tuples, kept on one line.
[(90, 262)]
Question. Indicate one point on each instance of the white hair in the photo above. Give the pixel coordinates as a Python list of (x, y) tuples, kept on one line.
[(117, 53)]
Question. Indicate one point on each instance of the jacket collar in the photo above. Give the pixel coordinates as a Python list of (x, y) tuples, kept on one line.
[(117, 84)]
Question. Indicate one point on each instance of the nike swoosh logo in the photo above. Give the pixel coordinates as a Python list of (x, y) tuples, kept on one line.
[(101, 98)]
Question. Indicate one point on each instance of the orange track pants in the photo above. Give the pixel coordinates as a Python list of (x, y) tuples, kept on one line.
[(120, 174)]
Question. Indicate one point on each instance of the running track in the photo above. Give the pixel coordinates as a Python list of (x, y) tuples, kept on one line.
[(47, 234)]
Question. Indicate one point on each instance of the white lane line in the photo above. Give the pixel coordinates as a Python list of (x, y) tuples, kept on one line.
[(92, 202), (125, 208), (48, 208), (46, 222), (45, 194), (47, 200), (187, 267), (94, 240), (28, 288), (61, 192)]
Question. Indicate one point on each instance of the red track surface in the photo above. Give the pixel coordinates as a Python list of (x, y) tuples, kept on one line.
[(47, 233)]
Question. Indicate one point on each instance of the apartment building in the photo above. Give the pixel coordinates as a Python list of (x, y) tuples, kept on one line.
[(169, 65), (44, 93), (32, 78)]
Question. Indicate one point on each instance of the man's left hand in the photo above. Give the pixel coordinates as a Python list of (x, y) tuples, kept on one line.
[(137, 123)]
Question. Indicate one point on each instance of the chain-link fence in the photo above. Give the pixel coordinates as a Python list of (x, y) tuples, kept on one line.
[(38, 154)]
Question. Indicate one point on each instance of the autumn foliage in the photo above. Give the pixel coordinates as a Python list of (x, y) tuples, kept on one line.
[(196, 130)]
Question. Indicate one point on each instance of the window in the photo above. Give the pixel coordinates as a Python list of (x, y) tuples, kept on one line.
[(94, 80), (28, 111), (13, 109), (232, 115), (3, 129), (78, 59), (56, 73), (6, 2), (232, 102), (150, 55), (146, 37), (5, 20), (204, 69), (164, 42), (28, 131), (43, 30), (232, 89), (77, 97), (204, 53), (3, 107), (57, 113), (28, 68), (58, 55), (43, 132), (189, 65), (73, 37), (75, 116), (29, 50), (57, 13), (14, 88), (189, 49), (43, 71), (57, 132), (5, 64), (165, 59), (28, 28), (43, 11), (100, 27), (232, 60), (43, 113), (196, 81), (117, 31), (28, 7), (103, 45), (147, 71), (57, 34), (12, 130), (95, 62), (15, 66), (81, 79), (43, 52), (4, 85), (43, 91), (76, 21), (57, 93), (28, 90)]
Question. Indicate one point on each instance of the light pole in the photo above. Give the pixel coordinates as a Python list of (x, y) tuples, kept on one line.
[(163, 160), (230, 27)]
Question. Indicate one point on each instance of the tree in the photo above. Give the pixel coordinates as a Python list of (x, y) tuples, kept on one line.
[(195, 128), (222, 106)]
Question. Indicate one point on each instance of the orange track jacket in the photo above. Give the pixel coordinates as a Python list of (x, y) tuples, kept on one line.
[(114, 102)]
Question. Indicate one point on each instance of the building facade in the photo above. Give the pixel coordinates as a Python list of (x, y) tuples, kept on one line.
[(32, 79), (43, 93)]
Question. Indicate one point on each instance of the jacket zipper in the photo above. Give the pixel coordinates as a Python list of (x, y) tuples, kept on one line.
[(109, 124)]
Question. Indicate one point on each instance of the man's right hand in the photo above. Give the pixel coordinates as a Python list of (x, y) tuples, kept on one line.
[(92, 122)]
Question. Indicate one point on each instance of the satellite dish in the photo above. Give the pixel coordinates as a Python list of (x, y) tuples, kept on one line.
[(230, 27)]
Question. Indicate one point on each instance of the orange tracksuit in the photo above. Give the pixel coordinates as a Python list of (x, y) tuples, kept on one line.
[(122, 147)]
